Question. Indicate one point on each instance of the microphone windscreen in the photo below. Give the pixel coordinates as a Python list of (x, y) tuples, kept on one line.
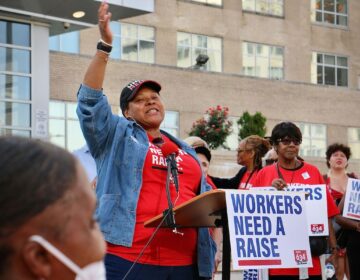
[(169, 148)]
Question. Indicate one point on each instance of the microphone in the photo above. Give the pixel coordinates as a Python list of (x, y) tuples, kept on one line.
[(170, 152)]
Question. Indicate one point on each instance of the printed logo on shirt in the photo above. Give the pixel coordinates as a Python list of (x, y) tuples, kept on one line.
[(158, 160), (305, 175)]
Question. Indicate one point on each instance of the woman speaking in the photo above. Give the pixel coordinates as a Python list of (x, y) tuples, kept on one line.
[(132, 175)]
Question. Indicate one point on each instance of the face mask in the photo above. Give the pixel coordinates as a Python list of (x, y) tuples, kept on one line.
[(95, 271)]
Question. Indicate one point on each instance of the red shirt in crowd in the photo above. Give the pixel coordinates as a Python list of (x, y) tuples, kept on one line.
[(305, 174), (248, 180)]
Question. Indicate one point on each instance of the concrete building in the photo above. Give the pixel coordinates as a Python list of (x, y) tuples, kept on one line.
[(289, 60)]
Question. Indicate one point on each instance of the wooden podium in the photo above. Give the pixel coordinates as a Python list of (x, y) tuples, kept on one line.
[(205, 210)]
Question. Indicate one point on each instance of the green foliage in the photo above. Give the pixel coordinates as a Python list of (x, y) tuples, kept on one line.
[(251, 125), (214, 127)]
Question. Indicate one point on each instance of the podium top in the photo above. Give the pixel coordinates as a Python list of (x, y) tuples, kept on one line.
[(200, 211)]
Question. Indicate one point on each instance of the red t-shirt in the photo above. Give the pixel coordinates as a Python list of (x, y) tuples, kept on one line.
[(305, 174), (167, 248), (247, 180), (334, 193)]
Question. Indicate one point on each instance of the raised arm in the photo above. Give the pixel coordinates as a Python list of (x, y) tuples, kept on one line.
[(94, 76)]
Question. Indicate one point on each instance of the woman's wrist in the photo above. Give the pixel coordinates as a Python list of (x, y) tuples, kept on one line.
[(104, 47)]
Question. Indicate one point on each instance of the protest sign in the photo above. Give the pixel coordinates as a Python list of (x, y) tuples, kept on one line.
[(268, 229), (316, 206), (352, 200)]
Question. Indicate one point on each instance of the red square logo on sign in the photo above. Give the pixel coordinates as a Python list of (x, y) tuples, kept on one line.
[(317, 228), (300, 256)]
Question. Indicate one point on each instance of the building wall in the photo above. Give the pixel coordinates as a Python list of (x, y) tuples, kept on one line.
[(191, 92)]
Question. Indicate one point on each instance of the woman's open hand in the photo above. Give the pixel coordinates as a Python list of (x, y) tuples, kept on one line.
[(104, 17)]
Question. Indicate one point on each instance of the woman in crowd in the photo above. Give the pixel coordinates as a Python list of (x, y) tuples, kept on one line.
[(47, 225), (250, 152), (286, 138), (353, 242), (132, 174), (337, 157)]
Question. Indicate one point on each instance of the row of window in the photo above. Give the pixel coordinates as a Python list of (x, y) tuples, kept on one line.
[(15, 78), (137, 43), (64, 129), (331, 12)]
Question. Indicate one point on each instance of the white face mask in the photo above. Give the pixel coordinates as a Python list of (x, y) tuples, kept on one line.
[(95, 271)]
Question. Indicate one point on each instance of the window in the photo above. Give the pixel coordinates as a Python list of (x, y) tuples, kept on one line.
[(354, 141), (263, 61), (133, 42), (67, 42), (329, 70), (64, 126), (189, 46), (268, 7), (15, 78), (171, 123), (314, 140), (334, 12), (210, 2)]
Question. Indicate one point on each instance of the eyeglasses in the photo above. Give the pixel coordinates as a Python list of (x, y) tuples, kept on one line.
[(287, 141)]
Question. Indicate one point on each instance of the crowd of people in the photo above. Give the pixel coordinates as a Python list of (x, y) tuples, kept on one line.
[(48, 228)]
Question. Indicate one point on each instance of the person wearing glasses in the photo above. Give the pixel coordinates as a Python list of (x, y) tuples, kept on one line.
[(250, 152), (289, 170)]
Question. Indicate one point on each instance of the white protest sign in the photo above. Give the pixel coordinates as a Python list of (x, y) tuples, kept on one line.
[(268, 229), (352, 200), (316, 207)]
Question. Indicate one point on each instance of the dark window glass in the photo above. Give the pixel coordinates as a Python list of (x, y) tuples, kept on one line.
[(329, 75), (342, 77)]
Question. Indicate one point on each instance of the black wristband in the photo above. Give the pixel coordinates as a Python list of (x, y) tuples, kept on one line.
[(101, 46)]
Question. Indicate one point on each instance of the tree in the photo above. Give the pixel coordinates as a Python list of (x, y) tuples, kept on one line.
[(214, 127), (251, 125)]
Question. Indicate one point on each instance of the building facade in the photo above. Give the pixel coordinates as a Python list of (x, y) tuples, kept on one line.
[(290, 60)]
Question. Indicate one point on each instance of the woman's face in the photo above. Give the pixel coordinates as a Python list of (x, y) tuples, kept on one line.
[(245, 155), (338, 160), (82, 240), (69, 225), (146, 108), (287, 148)]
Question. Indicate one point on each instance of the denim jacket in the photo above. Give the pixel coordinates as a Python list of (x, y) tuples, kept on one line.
[(119, 147)]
